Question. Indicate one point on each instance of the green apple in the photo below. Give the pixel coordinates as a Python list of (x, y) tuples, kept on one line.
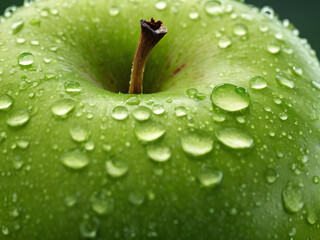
[(224, 142)]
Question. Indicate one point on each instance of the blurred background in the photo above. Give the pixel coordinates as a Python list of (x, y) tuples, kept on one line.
[(303, 14)]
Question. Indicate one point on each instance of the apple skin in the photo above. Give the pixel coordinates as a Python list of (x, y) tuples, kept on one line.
[(42, 198)]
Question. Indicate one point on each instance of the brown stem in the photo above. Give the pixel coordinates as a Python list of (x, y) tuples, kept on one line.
[(151, 33)]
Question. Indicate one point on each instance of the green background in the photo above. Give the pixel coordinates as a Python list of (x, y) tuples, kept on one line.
[(303, 14)]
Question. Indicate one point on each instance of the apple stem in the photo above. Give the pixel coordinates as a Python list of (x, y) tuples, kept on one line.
[(151, 33)]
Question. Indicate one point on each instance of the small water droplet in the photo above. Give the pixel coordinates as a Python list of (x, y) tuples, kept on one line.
[(63, 107), (316, 84), (158, 152), (75, 160), (70, 201), (210, 179), (213, 8), (312, 214), (23, 143), (117, 169), (224, 42), (258, 83), (158, 109), (133, 101), (292, 197), (17, 162), (298, 71), (89, 227), (120, 113), (114, 11), (234, 138), (79, 133), (271, 175), (196, 143), (136, 198), (273, 48), (267, 11), (315, 179), (180, 111), (149, 131), (20, 40), (18, 118), (285, 80), (101, 204), (240, 29), (283, 116), (141, 113), (230, 97), (17, 26), (194, 14), (218, 117), (25, 59), (72, 87), (5, 102), (5, 231), (160, 5)]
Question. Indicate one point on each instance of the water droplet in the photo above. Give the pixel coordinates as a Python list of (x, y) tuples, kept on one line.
[(285, 80), (158, 109), (283, 116), (141, 113), (72, 87), (23, 143), (240, 29), (180, 111), (133, 101), (316, 84), (312, 214), (210, 179), (101, 204), (5, 231), (20, 40), (79, 133), (9, 11), (194, 14), (224, 42), (62, 107), (136, 198), (292, 197), (149, 131), (218, 117), (258, 83), (117, 168), (315, 179), (18, 118), (158, 152), (17, 162), (114, 11), (271, 175), (273, 48), (196, 143), (5, 102), (17, 25), (213, 8), (267, 11), (234, 138), (89, 227), (25, 59), (195, 95), (70, 201), (120, 113), (298, 71), (160, 5), (230, 97), (75, 160)]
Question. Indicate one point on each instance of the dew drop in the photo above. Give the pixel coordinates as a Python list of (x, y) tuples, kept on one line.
[(234, 138), (285, 80), (17, 25), (158, 152), (141, 113), (114, 11), (283, 116), (213, 8), (224, 42), (218, 117), (312, 215), (160, 5), (63, 107), (18, 118), (5, 231), (210, 179), (194, 14), (133, 101), (196, 143), (117, 169), (89, 227), (273, 48), (271, 175), (23, 143), (240, 30), (75, 160), (316, 179), (258, 83), (136, 198), (70, 201), (230, 97), (292, 197), (316, 84), (72, 87), (120, 113), (5, 102), (158, 109), (79, 133), (25, 59), (102, 205), (180, 111), (149, 131)]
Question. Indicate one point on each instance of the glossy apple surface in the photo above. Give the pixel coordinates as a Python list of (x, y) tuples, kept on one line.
[(223, 144)]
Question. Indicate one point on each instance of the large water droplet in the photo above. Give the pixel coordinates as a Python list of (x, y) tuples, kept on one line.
[(158, 152), (258, 83), (149, 131), (230, 97), (285, 80), (210, 179), (75, 160), (196, 143), (89, 227), (213, 8), (117, 169), (141, 113), (62, 107), (240, 30), (18, 118), (120, 113), (158, 109), (292, 197), (25, 59), (5, 102), (234, 138), (79, 133)]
